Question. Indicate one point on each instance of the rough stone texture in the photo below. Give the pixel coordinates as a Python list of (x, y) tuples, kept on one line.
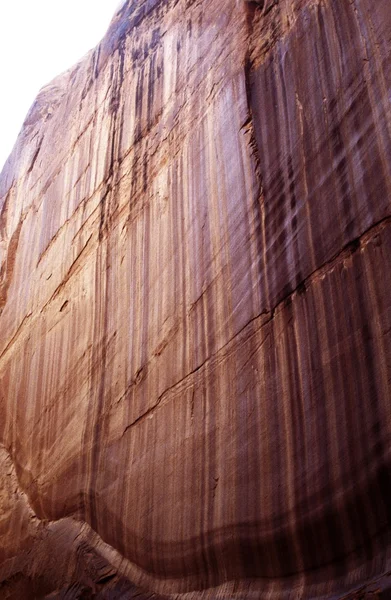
[(195, 324)]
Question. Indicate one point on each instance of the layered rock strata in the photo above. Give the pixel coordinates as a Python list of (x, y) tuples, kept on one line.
[(195, 363)]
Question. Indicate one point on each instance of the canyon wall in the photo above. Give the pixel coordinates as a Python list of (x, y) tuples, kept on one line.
[(195, 309)]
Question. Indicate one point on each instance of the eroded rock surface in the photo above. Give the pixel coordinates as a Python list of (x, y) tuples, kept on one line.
[(195, 303)]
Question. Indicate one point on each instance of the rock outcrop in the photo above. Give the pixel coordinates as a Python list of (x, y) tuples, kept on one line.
[(195, 309)]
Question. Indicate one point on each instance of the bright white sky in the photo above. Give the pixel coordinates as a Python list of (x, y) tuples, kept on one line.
[(39, 39)]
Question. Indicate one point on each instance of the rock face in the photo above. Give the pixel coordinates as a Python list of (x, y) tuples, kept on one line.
[(195, 309)]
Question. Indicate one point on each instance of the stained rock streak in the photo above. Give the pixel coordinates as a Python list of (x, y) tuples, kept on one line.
[(195, 308)]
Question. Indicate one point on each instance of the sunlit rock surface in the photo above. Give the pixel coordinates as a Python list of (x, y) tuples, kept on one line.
[(195, 363)]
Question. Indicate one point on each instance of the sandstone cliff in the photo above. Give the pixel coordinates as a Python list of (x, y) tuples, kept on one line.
[(195, 309)]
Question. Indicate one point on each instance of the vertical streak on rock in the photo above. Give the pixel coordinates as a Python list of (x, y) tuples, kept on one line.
[(248, 417), (96, 425), (7, 268)]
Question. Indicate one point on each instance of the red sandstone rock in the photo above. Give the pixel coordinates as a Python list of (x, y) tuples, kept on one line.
[(195, 304)]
